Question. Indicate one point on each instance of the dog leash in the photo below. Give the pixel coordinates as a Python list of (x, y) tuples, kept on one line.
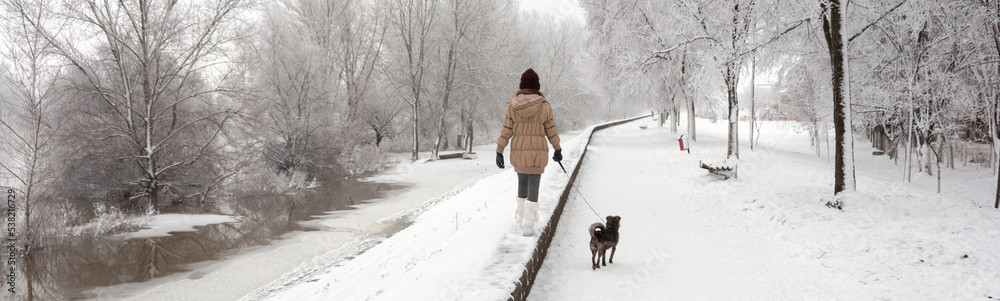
[(578, 191)]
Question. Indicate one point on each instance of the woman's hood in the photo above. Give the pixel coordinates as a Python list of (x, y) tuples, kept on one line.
[(526, 105), (525, 99)]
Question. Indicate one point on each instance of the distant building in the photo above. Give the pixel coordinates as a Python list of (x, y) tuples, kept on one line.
[(768, 102)]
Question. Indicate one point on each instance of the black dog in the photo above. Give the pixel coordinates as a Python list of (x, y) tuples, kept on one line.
[(603, 238)]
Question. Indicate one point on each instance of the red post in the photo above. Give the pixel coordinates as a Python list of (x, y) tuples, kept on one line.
[(680, 141)]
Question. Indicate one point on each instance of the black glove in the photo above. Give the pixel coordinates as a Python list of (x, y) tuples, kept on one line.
[(500, 160), (558, 156)]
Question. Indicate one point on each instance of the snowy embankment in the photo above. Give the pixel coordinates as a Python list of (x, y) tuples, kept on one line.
[(462, 246), (347, 231), (767, 235)]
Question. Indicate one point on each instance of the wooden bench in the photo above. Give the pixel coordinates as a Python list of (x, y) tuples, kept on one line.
[(724, 169), (471, 155)]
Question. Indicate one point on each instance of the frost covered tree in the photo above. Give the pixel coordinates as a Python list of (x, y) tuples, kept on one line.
[(362, 34), (349, 36), (723, 45), (487, 82), (147, 73), (31, 116), (464, 23), (555, 53), (293, 111), (807, 94), (915, 92), (837, 45), (411, 24), (624, 34), (838, 37)]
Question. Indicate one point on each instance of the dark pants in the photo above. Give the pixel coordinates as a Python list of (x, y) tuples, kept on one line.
[(527, 186)]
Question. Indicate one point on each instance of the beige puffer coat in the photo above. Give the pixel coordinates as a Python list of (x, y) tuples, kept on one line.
[(529, 121)]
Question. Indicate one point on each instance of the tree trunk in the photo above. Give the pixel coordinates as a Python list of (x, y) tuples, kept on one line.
[(154, 196), (414, 155), (153, 189), (928, 158), (449, 80), (951, 155), (833, 16), (994, 146), (677, 115), (688, 99), (819, 144), (691, 121), (732, 79), (674, 119), (753, 97), (995, 117), (908, 168), (437, 146), (469, 134), (940, 153), (670, 111), (996, 97)]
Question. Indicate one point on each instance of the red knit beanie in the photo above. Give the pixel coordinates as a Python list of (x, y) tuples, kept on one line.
[(529, 80)]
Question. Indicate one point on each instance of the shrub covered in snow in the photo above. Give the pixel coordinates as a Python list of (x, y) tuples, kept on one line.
[(111, 220), (365, 159), (262, 179)]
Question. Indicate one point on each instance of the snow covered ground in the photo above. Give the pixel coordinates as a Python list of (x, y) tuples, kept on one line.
[(347, 232), (464, 246), (688, 235), (163, 224)]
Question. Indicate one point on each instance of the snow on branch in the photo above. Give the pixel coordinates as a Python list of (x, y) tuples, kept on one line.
[(692, 40), (661, 53), (876, 21), (772, 39)]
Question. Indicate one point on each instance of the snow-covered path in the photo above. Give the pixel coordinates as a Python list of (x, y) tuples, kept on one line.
[(463, 245), (666, 237), (688, 235)]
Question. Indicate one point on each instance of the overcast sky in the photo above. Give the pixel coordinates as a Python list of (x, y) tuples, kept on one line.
[(562, 8)]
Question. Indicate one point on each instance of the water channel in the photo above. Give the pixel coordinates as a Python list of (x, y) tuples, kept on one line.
[(83, 263)]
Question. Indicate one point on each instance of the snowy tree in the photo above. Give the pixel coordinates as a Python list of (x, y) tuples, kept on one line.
[(833, 31), (362, 34), (31, 116), (986, 69), (807, 96), (411, 23), (464, 24), (488, 81), (293, 92), (917, 93), (836, 32), (624, 35), (554, 53), (148, 71)]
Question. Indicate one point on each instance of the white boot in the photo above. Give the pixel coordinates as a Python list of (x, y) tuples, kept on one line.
[(529, 217), (520, 207)]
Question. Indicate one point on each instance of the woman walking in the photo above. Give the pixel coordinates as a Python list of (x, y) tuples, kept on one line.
[(526, 126)]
